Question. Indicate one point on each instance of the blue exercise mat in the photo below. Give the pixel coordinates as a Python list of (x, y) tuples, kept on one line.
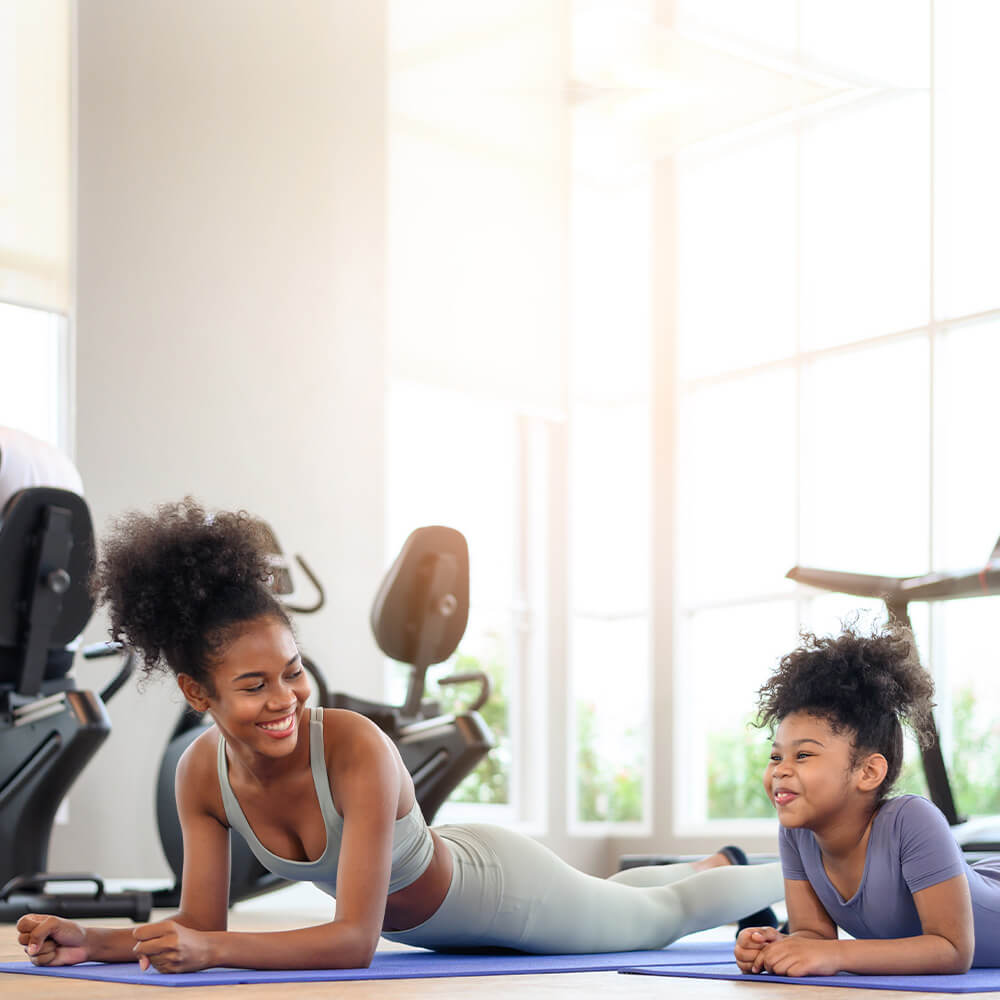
[(973, 981), (412, 964)]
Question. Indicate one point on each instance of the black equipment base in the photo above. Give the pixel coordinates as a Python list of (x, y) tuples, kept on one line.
[(25, 894)]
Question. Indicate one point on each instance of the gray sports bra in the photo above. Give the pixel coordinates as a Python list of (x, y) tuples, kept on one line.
[(412, 846)]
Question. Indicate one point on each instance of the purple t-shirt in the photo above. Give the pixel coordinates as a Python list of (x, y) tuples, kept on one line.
[(910, 848)]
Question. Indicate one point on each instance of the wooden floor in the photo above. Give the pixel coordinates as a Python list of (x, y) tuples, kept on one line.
[(275, 914)]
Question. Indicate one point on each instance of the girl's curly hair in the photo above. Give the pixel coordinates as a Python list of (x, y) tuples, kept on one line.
[(181, 583), (864, 685)]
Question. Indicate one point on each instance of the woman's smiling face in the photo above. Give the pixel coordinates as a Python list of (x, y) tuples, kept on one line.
[(260, 688)]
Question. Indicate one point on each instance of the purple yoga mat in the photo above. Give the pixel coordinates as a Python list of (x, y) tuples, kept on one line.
[(410, 964), (973, 981)]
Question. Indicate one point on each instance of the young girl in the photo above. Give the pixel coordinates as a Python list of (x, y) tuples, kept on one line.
[(886, 870), (322, 795)]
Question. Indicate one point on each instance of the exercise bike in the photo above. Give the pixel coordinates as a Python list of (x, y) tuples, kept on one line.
[(49, 729), (418, 618)]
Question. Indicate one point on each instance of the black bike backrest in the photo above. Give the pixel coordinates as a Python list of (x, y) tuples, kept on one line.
[(23, 521), (421, 609)]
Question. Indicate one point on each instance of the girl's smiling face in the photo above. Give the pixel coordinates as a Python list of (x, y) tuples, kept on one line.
[(810, 776)]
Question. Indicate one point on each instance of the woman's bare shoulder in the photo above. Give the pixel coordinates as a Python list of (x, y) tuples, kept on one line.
[(342, 728), (197, 778), (352, 741)]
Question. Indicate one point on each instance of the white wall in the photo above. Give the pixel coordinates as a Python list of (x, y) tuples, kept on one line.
[(230, 321)]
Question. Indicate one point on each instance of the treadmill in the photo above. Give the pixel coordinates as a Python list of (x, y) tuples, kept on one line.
[(978, 837)]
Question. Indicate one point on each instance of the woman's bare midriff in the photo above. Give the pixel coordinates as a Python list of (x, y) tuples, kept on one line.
[(421, 899)]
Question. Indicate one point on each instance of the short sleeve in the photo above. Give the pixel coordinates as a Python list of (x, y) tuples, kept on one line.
[(791, 859), (928, 852)]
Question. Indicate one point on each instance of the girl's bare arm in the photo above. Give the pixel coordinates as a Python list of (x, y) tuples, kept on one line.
[(945, 945)]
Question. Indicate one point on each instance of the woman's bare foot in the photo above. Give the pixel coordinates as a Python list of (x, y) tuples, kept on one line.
[(716, 860), (722, 857)]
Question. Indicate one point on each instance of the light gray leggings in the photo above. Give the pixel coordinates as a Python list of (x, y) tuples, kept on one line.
[(509, 891)]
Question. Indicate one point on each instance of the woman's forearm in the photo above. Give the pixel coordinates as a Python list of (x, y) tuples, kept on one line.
[(117, 944), (110, 944), (334, 945)]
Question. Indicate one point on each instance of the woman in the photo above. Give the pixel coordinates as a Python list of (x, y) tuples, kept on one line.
[(322, 795)]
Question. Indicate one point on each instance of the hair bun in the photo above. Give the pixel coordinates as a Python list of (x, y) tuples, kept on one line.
[(176, 580)]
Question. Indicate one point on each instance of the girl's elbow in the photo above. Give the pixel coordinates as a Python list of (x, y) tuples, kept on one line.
[(961, 959), (958, 967)]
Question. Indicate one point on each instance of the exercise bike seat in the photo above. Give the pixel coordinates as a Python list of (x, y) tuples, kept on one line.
[(49, 729), (422, 607), (418, 618)]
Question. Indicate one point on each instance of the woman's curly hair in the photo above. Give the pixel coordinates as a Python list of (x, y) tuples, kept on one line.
[(181, 583), (864, 685)]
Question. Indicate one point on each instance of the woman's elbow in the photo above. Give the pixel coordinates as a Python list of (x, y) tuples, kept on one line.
[(352, 959), (357, 952), (364, 956)]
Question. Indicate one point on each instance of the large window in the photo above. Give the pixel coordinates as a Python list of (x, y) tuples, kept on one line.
[(479, 467), (475, 394), (837, 321), (519, 400), (753, 243), (608, 498), (35, 216), (34, 382)]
